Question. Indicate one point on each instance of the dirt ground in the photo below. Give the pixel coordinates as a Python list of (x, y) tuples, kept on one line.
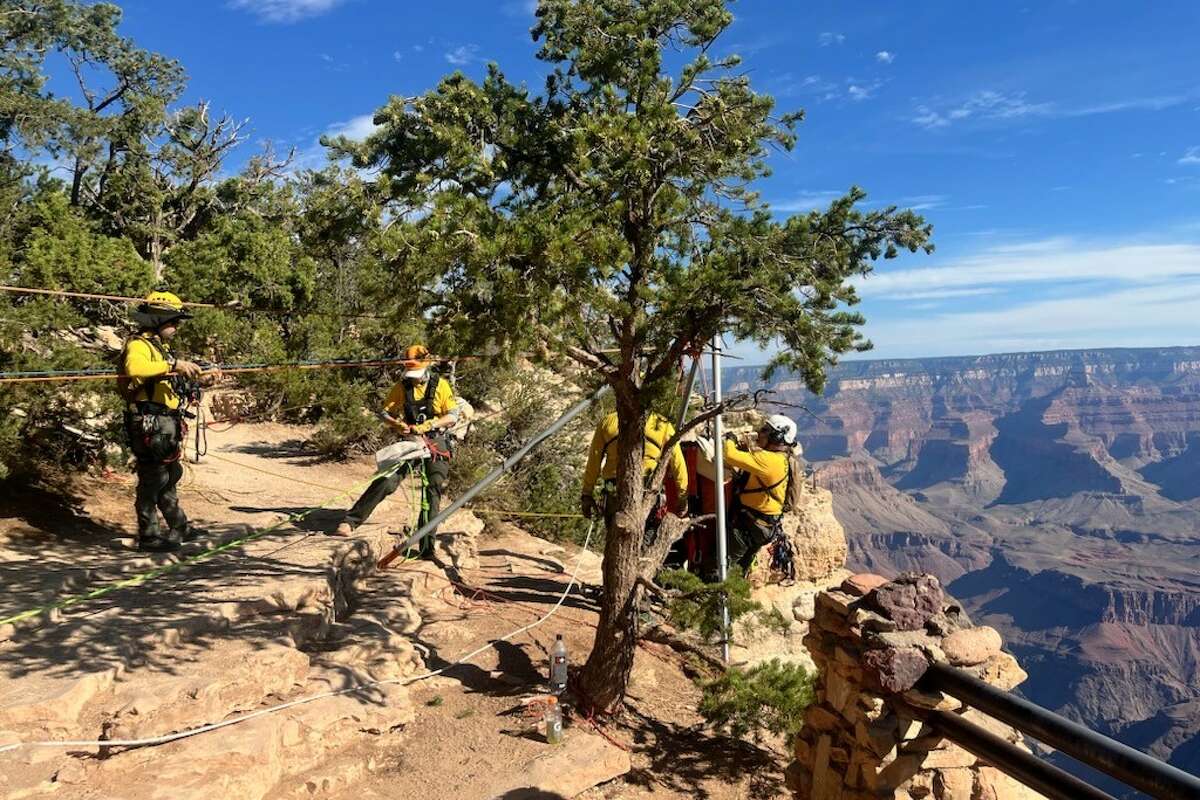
[(469, 725)]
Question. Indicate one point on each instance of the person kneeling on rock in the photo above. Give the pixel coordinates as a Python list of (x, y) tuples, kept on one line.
[(421, 406)]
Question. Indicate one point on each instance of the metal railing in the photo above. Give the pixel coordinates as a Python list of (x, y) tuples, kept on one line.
[(1127, 765)]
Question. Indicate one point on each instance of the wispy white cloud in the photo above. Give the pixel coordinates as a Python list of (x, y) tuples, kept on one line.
[(828, 38), (1192, 156), (463, 54), (857, 92), (942, 294), (356, 128), (519, 8), (1141, 316), (397, 56), (314, 154), (1046, 261), (923, 202), (806, 201), (285, 11), (885, 57), (1132, 104), (994, 105), (987, 104)]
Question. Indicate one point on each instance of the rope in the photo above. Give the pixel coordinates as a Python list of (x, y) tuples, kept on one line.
[(174, 566), (233, 306), (157, 740), (506, 513), (34, 376)]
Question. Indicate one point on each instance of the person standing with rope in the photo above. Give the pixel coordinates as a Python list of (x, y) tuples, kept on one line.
[(421, 406), (151, 383)]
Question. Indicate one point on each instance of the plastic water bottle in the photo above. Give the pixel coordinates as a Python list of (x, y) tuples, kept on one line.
[(553, 718), (558, 666)]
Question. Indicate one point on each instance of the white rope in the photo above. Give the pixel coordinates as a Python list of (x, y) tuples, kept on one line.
[(172, 737)]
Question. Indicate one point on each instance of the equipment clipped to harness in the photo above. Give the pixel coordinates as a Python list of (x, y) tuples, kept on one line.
[(783, 556)]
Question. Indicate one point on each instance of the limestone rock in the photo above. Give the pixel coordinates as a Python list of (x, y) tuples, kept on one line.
[(895, 669), (858, 585), (954, 784), (971, 646), (582, 761), (1002, 671), (818, 541), (804, 607), (992, 784), (456, 543), (910, 600), (228, 677)]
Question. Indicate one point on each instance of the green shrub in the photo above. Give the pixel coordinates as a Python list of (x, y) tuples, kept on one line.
[(768, 698)]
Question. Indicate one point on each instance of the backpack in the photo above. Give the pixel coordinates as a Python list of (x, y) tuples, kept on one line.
[(793, 497)]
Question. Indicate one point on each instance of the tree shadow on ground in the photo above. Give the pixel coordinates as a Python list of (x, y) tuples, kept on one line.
[(530, 589), (530, 794), (303, 453), (683, 757), (549, 565), (57, 517), (319, 520)]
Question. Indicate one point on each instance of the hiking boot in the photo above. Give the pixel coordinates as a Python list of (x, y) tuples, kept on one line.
[(157, 544), (344, 529), (189, 534)]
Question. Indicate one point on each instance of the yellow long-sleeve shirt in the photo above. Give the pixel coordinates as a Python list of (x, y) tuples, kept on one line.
[(602, 456), (767, 486), (443, 400), (146, 357)]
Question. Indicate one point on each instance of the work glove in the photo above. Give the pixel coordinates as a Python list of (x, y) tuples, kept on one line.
[(188, 369), (587, 506), (422, 427)]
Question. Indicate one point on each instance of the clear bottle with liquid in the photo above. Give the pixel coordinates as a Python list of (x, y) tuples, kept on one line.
[(558, 666), (554, 721)]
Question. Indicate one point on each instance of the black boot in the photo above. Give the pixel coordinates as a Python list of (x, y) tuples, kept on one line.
[(157, 544)]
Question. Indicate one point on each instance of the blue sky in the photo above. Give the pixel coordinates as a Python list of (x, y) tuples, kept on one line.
[(1054, 145)]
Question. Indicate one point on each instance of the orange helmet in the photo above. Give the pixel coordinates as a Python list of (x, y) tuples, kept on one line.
[(416, 361)]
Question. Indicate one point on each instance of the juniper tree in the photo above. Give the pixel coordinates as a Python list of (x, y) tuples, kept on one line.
[(615, 210)]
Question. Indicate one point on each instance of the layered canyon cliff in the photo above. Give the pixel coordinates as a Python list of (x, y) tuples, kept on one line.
[(1056, 493)]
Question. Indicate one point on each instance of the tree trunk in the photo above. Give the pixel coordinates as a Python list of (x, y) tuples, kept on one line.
[(605, 676)]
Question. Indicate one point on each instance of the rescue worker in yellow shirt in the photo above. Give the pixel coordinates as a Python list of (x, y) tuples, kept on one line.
[(760, 488), (422, 404), (151, 382), (602, 463)]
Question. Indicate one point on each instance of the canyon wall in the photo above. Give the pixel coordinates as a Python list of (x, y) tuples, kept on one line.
[(1056, 494)]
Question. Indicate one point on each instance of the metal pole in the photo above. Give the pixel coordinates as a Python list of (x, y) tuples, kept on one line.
[(1142, 772), (687, 393), (1039, 775), (491, 477), (719, 469)]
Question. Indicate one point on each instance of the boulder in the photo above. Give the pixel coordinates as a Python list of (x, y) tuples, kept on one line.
[(818, 542), (910, 600), (858, 585), (971, 646), (894, 669), (457, 541)]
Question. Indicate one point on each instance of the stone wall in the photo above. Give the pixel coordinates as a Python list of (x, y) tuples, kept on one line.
[(872, 640)]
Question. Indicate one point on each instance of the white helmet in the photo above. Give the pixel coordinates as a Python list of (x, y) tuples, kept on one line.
[(782, 428)]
